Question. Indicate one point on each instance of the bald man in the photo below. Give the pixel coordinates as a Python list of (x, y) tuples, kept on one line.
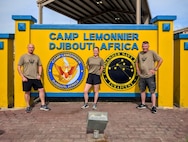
[(30, 70)]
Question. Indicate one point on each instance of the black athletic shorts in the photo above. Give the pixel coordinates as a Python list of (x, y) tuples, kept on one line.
[(35, 83), (147, 82), (93, 79)]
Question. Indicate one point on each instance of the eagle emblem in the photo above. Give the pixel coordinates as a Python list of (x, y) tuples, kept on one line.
[(65, 72)]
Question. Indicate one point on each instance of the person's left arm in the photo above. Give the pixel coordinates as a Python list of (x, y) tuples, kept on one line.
[(101, 69), (102, 66), (39, 72), (158, 64), (39, 69)]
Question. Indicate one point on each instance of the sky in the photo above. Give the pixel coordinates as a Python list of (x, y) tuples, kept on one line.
[(29, 7)]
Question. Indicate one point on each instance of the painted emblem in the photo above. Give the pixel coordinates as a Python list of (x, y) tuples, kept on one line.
[(120, 71), (65, 70)]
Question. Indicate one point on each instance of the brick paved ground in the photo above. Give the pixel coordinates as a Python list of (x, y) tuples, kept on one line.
[(66, 122)]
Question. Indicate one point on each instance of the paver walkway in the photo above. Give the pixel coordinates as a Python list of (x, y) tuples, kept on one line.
[(66, 122)]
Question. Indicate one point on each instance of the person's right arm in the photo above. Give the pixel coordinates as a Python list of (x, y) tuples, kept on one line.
[(87, 64), (137, 65), (21, 74), (137, 68)]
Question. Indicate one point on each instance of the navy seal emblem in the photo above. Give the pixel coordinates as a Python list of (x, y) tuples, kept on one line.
[(120, 71)]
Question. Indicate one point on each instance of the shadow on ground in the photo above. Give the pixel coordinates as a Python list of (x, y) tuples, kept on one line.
[(2, 132), (101, 99)]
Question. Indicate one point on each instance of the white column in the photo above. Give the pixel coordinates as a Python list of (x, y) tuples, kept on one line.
[(40, 13), (138, 11)]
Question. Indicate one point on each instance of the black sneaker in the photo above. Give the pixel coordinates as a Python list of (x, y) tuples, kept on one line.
[(85, 106), (28, 109), (154, 109), (141, 106), (45, 108)]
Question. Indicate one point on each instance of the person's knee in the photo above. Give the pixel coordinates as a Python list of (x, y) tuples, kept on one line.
[(41, 90), (86, 91), (96, 89), (27, 92), (142, 92), (152, 91)]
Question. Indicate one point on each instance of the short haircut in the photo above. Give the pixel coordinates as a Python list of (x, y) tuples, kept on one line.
[(96, 48), (145, 42)]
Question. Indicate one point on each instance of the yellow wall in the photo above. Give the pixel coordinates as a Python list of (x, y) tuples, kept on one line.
[(160, 36), (42, 44), (165, 73), (181, 70), (22, 38), (6, 72)]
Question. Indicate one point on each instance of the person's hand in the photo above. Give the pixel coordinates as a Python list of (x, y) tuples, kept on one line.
[(24, 79), (152, 72), (38, 77), (138, 72)]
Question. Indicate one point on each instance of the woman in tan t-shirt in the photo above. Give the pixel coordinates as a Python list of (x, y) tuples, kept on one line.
[(95, 65)]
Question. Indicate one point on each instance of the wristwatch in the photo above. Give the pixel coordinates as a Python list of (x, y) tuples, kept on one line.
[(155, 69)]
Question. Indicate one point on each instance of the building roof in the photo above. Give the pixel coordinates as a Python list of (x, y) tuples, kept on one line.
[(99, 11), (181, 31)]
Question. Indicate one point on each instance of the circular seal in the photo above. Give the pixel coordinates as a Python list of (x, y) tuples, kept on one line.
[(120, 71), (65, 70)]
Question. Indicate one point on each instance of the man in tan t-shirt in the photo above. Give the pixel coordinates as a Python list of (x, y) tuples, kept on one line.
[(145, 66), (31, 77)]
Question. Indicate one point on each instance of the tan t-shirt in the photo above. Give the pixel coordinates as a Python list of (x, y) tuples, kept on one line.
[(95, 64), (30, 65), (146, 62)]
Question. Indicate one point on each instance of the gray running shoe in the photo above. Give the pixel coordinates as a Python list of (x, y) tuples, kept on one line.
[(85, 106), (141, 106), (28, 109), (44, 107), (95, 106)]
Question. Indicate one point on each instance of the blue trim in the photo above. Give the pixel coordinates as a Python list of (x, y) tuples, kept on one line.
[(1, 45), (163, 18), (24, 17), (50, 94), (166, 27), (96, 27), (5, 36), (185, 45), (21, 26), (181, 36)]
